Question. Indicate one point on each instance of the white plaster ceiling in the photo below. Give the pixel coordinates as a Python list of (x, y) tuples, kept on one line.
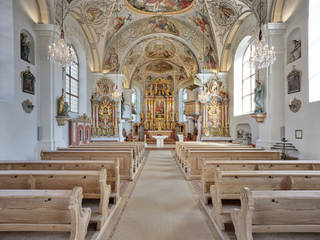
[(112, 24)]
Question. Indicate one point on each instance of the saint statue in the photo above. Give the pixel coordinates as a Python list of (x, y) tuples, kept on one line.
[(63, 107), (258, 97)]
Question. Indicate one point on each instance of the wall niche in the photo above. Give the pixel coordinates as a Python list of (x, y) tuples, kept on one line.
[(294, 43), (27, 47)]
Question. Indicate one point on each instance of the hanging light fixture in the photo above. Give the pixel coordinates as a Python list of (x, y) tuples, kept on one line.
[(116, 95), (60, 52), (261, 54), (204, 93)]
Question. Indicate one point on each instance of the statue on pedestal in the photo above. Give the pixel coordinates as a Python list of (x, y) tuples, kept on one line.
[(63, 107), (258, 97)]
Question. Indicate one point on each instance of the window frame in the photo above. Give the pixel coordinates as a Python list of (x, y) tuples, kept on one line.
[(68, 74), (253, 73)]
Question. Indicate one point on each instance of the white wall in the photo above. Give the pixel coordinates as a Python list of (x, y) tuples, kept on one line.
[(18, 130), (307, 119)]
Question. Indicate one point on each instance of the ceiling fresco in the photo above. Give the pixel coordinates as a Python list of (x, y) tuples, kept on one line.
[(160, 6), (114, 26)]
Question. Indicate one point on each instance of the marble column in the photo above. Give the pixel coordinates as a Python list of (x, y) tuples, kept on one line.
[(51, 84), (274, 84)]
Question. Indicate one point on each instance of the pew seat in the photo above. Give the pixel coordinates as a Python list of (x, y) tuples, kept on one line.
[(225, 193), (112, 167), (44, 210), (210, 167), (276, 211), (93, 183)]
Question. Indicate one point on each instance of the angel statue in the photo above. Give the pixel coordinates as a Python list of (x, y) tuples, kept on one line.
[(258, 97)]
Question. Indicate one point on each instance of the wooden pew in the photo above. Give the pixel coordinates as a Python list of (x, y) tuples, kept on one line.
[(181, 148), (139, 145), (93, 183), (228, 185), (276, 211), (210, 167), (195, 158), (125, 158), (136, 157), (112, 167), (182, 156), (44, 210)]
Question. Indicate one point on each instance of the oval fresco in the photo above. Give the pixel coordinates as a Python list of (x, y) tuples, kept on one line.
[(160, 48), (160, 6)]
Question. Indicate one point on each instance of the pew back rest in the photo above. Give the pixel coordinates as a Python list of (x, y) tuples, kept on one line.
[(112, 167), (92, 182), (285, 207), (210, 167), (228, 184)]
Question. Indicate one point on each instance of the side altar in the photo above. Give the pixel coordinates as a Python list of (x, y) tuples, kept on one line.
[(105, 119), (159, 111)]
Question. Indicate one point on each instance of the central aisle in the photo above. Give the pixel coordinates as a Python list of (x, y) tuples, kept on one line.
[(162, 206)]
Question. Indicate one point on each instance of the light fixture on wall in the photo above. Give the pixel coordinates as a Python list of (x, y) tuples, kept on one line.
[(261, 54), (60, 51)]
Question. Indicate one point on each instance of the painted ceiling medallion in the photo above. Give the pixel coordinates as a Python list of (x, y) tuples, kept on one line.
[(166, 7), (160, 48), (159, 67)]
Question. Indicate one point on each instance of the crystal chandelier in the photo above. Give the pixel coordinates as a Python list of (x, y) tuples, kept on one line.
[(261, 54), (60, 52)]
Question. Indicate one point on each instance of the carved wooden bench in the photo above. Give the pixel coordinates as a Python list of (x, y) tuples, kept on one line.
[(44, 210), (125, 159), (210, 167), (139, 146), (136, 157), (93, 183), (182, 148), (276, 211), (112, 167), (196, 158), (228, 185)]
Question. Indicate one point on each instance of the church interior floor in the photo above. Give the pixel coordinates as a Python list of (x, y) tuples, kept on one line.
[(162, 206)]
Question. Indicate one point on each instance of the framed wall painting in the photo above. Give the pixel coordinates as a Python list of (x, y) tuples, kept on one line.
[(294, 81), (28, 82), (298, 134)]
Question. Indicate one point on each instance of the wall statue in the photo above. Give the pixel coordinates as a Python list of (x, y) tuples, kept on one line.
[(63, 107), (258, 97)]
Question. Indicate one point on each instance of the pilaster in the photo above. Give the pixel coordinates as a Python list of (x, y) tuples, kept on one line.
[(274, 83)]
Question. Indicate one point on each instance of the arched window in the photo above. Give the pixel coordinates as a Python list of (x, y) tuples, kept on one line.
[(72, 83), (134, 104), (183, 96), (314, 51), (244, 79)]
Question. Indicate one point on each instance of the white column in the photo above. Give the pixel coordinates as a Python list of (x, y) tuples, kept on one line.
[(51, 84), (274, 83), (127, 97)]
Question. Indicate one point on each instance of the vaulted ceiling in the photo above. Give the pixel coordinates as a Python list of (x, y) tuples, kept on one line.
[(199, 25)]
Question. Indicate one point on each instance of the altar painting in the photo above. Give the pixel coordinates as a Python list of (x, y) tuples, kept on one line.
[(159, 109)]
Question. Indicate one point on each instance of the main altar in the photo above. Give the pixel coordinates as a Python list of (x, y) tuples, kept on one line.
[(159, 110)]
